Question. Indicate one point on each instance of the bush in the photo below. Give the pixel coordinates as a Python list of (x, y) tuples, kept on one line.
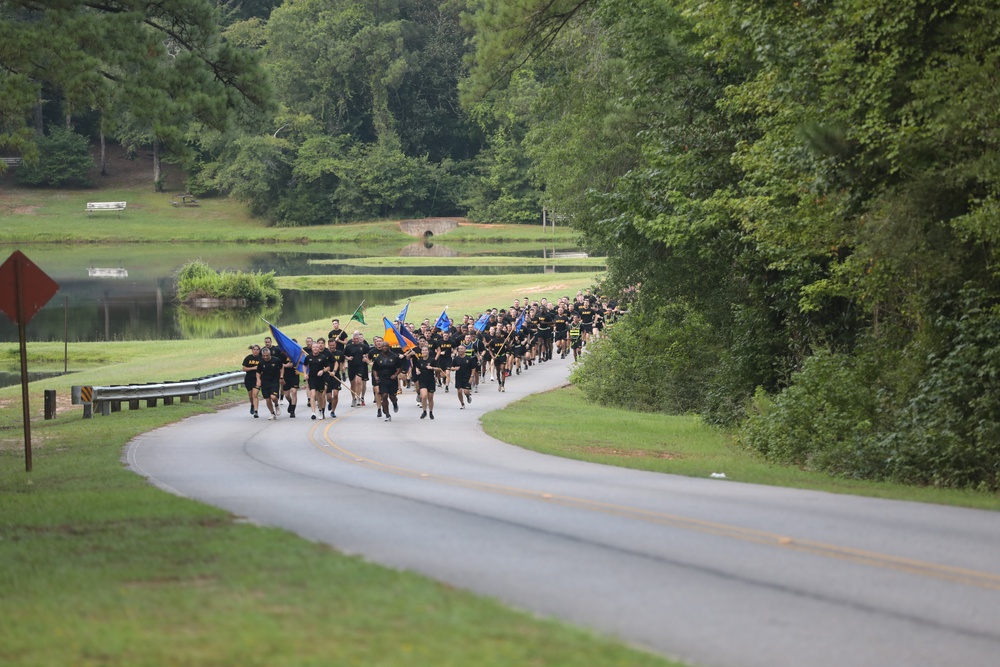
[(63, 157), (829, 418), (198, 280), (652, 362), (949, 432)]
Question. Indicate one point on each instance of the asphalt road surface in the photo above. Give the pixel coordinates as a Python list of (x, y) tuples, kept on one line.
[(709, 571)]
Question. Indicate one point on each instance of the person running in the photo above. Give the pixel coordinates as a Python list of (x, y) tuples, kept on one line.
[(500, 350), (464, 366), (250, 363), (317, 371), (424, 372), (576, 337), (270, 373), (356, 353), (333, 381), (290, 385), (385, 373), (560, 329), (446, 350)]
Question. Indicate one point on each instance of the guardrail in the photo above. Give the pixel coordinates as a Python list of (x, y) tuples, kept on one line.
[(109, 399)]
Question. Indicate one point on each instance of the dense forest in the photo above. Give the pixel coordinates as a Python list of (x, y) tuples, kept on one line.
[(799, 200)]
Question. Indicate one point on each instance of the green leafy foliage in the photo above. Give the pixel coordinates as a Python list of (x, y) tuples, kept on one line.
[(198, 280), (63, 158)]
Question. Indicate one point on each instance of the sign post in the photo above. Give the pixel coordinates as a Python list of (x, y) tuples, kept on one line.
[(24, 289)]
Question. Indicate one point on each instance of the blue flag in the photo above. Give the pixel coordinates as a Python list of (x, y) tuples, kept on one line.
[(443, 323), (481, 323), (291, 349), (520, 321), (402, 315)]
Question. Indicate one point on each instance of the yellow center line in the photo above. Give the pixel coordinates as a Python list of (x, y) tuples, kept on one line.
[(896, 563)]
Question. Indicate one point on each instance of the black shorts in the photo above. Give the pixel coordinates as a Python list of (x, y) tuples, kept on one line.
[(250, 382), (357, 371), (427, 383), (332, 383), (463, 382), (545, 334), (270, 388), (317, 382), (561, 335), (577, 344), (388, 387), (291, 380), (587, 328)]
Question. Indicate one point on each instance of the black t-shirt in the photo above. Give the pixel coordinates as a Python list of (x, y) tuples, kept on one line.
[(385, 364), (269, 370), (338, 336), (560, 322), (463, 367), (544, 320), (336, 357), (252, 360), (357, 352), (316, 362)]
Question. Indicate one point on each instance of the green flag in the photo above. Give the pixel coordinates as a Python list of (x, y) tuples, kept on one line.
[(359, 314)]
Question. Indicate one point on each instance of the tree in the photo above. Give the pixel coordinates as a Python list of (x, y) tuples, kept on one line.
[(163, 62)]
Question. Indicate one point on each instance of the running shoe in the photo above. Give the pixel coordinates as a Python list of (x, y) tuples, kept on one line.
[(322, 414), (388, 417), (354, 402), (271, 418), (423, 415), (446, 389), (333, 416), (255, 415), (432, 415), (314, 415), (291, 416), (277, 409), (468, 399), (463, 406), (362, 402), (379, 413), (251, 409), (395, 406)]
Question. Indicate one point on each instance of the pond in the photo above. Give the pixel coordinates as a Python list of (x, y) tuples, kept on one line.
[(126, 292)]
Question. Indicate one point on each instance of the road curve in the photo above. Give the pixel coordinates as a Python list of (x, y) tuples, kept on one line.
[(709, 571)]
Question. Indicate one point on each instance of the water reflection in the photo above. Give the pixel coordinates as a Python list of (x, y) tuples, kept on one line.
[(126, 292)]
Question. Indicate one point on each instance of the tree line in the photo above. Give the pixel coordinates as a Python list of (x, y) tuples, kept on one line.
[(803, 198), (798, 200)]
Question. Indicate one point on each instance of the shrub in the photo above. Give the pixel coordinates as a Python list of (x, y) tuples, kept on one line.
[(197, 279), (63, 157)]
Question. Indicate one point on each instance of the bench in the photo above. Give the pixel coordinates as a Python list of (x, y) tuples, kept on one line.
[(117, 206), (11, 161)]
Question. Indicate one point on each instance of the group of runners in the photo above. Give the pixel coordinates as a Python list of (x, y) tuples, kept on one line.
[(490, 346)]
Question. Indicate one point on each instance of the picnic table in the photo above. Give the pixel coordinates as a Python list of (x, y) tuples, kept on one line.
[(186, 199)]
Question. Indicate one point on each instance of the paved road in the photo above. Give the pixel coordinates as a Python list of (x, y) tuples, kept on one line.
[(710, 571)]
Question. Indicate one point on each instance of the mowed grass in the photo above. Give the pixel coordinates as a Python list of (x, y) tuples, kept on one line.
[(102, 568), (563, 423)]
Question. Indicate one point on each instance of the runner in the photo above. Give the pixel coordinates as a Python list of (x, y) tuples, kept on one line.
[(290, 385), (356, 353), (560, 329), (464, 366), (424, 372), (446, 350), (576, 337), (317, 371), (500, 352), (333, 380), (385, 373), (270, 373), (250, 363)]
